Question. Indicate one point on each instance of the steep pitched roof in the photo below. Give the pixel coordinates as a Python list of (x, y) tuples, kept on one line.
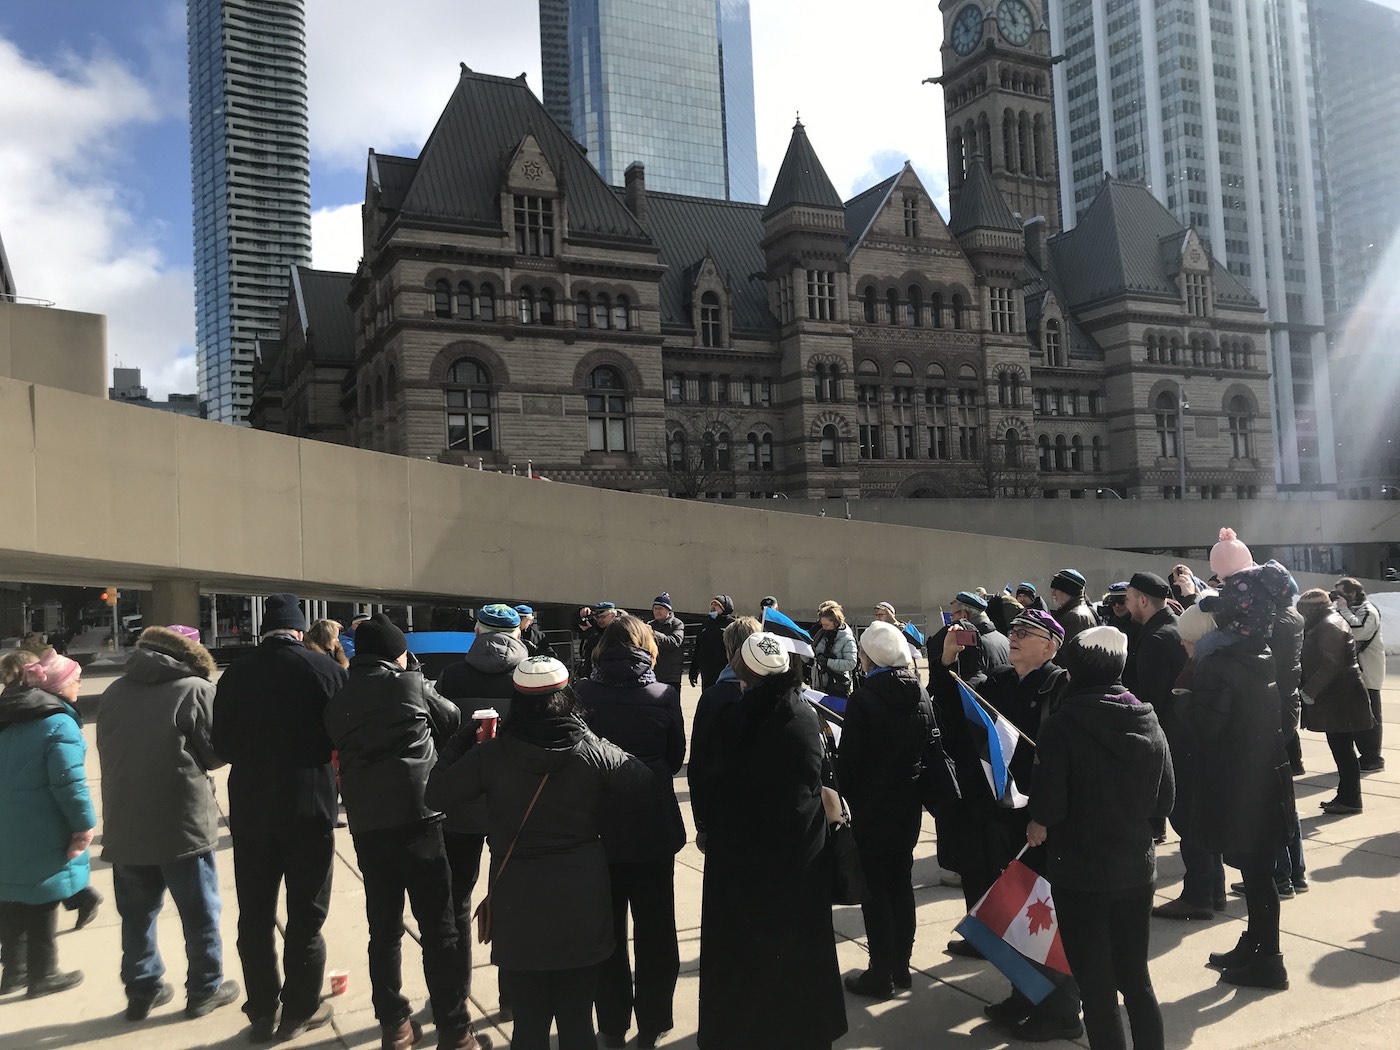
[(801, 179), (1118, 248), (322, 298), (1038, 282), (686, 230), (980, 204), (392, 175), (7, 277), (458, 174), (863, 207)]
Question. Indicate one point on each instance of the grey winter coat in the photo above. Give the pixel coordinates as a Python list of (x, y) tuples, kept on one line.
[(670, 648), (836, 659), (154, 743)]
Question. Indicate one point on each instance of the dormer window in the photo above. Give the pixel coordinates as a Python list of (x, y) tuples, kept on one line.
[(1197, 289), (534, 225), (711, 321)]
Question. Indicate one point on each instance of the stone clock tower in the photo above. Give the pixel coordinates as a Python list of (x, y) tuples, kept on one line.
[(999, 101)]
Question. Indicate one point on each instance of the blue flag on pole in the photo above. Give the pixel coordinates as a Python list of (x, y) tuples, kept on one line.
[(916, 638), (794, 638), (995, 739)]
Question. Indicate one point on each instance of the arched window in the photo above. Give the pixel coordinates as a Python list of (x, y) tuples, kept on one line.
[(675, 451), (833, 383), (936, 303), (752, 442), (392, 389), (831, 447), (466, 302), (1013, 448), (707, 452), (711, 328), (546, 306), (1241, 437), (1097, 453), (914, 309), (821, 382), (486, 303), (1023, 134), (379, 394), (621, 314), (1004, 389), (527, 305), (1046, 462), (967, 372), (606, 401), (872, 304), (1175, 351), (1009, 149), (602, 309), (1038, 135), (1053, 348), (892, 307), (765, 451), (1195, 352), (442, 299), (467, 397), (1151, 342), (957, 311), (1165, 409), (1076, 453), (1061, 453), (583, 310), (723, 455)]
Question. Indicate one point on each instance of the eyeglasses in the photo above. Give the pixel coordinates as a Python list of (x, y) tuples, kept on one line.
[(1022, 633), (1118, 599)]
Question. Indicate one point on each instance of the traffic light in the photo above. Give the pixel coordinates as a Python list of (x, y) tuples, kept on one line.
[(110, 596)]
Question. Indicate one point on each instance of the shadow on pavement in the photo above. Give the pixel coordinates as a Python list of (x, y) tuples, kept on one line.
[(1338, 969), (1184, 1017), (1373, 858)]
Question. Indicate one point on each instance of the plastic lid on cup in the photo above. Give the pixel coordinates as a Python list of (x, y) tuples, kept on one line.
[(481, 714)]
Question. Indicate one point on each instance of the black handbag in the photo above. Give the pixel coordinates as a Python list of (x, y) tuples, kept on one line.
[(848, 885)]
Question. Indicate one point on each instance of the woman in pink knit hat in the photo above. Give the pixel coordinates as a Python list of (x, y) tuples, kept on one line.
[(46, 819)]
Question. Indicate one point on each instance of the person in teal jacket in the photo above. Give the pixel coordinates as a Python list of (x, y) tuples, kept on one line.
[(46, 820)]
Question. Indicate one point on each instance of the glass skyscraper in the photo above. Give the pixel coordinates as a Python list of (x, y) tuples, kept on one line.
[(251, 172), (665, 82), (1211, 103)]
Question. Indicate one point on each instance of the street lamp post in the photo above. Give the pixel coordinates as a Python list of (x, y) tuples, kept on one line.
[(1182, 405), (1112, 492)]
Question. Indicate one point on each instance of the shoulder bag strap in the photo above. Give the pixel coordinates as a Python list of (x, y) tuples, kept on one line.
[(529, 809)]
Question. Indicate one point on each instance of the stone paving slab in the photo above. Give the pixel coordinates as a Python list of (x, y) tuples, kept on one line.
[(1341, 943)]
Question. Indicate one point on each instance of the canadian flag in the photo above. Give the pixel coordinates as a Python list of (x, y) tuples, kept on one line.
[(1016, 928)]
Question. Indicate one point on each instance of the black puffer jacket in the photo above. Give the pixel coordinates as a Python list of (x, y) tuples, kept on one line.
[(1102, 773), (552, 907), (708, 658), (888, 720), (386, 724), (624, 704), (483, 678), (268, 727)]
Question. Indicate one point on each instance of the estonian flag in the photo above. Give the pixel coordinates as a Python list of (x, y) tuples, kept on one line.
[(916, 640), (793, 638), (995, 739), (1016, 927)]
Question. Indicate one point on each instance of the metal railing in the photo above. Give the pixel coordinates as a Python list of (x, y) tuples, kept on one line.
[(24, 300)]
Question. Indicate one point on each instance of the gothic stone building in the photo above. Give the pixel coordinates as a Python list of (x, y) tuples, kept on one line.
[(512, 308)]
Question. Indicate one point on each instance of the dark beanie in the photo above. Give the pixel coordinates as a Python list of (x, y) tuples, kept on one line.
[(282, 612), (1094, 657), (1070, 581), (1150, 584), (379, 637)]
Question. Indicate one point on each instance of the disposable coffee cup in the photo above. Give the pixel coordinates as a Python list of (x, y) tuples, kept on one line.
[(487, 719), (340, 981)]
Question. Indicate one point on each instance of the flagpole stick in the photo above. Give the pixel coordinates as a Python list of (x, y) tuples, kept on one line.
[(1023, 851), (991, 711)]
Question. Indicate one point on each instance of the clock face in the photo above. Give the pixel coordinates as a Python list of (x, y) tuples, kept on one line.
[(967, 29), (1014, 21)]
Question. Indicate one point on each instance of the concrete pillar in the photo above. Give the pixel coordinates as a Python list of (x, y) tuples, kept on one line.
[(174, 601)]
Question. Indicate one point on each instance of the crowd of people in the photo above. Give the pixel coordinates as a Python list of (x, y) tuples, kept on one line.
[(1171, 699)]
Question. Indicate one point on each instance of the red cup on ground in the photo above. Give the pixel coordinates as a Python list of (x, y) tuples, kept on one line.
[(340, 981), (487, 719)]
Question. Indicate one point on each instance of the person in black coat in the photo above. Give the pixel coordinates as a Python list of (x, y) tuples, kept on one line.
[(545, 778), (1335, 697), (1243, 804), (888, 720), (625, 704), (386, 724), (708, 658), (1286, 644), (532, 634), (715, 712), (668, 632), (268, 711), (768, 970), (1102, 774)]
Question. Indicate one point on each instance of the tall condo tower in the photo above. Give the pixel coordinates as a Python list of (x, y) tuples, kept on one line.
[(251, 173)]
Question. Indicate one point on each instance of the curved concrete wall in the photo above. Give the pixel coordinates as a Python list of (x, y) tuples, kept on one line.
[(101, 492)]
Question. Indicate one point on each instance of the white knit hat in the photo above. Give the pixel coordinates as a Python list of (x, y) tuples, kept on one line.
[(885, 644), (1195, 622), (764, 654), (538, 675)]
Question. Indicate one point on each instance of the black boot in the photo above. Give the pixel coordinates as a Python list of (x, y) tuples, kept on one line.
[(1262, 971), (13, 978), (1243, 951), (870, 984), (58, 982)]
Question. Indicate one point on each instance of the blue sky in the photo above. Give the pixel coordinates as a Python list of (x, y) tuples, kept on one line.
[(94, 154)]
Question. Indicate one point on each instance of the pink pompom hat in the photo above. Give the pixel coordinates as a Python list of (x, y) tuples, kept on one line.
[(1230, 555)]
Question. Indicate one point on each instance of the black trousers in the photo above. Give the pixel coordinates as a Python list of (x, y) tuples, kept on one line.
[(464, 859), (648, 890), (889, 913), (562, 996), (302, 858), (27, 939), (1344, 747), (1370, 741), (84, 896), (411, 860), (1105, 937), (1261, 899)]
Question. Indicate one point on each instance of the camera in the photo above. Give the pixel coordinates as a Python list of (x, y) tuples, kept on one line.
[(1336, 596)]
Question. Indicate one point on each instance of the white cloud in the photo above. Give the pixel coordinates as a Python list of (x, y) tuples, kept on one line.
[(68, 226), (336, 239)]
